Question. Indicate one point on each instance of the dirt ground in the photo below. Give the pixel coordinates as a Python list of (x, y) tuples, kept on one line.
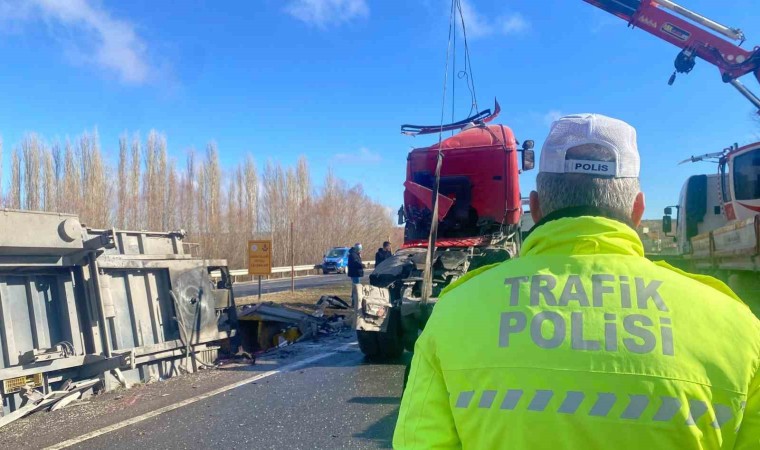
[(301, 297)]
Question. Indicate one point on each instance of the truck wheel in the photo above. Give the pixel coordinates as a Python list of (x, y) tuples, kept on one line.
[(368, 344), (325, 271), (379, 346)]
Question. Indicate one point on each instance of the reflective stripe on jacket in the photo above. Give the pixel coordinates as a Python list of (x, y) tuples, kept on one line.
[(582, 343)]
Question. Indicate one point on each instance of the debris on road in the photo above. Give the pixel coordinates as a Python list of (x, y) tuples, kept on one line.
[(264, 326), (333, 301), (53, 401)]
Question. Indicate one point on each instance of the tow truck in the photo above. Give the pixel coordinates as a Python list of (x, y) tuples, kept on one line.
[(718, 215)]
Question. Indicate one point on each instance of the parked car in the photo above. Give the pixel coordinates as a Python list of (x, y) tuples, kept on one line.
[(335, 260)]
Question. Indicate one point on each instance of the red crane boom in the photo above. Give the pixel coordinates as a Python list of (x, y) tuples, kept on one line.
[(694, 35)]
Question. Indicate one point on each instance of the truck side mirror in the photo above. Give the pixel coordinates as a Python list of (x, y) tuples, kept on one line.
[(528, 145), (668, 211), (528, 158), (401, 216), (667, 225)]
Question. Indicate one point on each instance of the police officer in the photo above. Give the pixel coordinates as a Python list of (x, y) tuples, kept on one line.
[(582, 342)]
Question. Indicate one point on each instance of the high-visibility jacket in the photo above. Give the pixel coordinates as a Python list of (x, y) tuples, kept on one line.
[(583, 343)]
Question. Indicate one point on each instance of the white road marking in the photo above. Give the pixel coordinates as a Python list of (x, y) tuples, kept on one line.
[(190, 401)]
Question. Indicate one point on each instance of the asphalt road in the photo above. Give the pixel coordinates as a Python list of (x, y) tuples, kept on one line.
[(320, 395), (279, 285), (338, 402)]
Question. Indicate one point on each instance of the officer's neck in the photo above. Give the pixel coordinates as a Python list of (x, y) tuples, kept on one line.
[(580, 211)]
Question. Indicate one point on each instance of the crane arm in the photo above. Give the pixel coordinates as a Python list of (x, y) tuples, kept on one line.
[(694, 35)]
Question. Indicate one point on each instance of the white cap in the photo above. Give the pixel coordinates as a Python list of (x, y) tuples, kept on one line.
[(582, 129)]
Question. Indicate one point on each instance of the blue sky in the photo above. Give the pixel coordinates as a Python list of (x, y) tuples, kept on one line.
[(334, 79)]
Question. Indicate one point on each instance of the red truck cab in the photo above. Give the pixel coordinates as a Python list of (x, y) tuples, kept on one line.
[(479, 192)]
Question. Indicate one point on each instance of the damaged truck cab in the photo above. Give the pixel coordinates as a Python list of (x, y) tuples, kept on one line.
[(479, 214)]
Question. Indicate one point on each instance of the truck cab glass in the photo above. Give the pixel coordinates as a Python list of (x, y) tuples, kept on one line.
[(747, 176)]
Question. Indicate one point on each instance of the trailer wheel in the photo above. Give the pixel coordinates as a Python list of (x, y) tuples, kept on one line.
[(383, 346)]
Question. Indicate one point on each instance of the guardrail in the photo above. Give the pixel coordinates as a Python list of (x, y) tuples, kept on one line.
[(279, 271)]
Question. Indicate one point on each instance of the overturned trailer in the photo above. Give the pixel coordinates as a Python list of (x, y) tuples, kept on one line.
[(122, 306)]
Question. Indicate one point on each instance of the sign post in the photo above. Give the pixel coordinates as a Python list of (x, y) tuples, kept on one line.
[(260, 259)]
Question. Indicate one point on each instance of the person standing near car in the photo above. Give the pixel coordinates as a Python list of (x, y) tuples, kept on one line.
[(355, 264), (383, 253)]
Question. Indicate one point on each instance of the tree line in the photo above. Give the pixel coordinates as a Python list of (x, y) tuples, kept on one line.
[(220, 208)]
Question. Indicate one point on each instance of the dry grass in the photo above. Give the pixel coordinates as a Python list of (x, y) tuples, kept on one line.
[(302, 297)]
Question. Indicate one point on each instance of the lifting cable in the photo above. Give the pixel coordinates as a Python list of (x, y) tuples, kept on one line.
[(467, 73), (456, 7)]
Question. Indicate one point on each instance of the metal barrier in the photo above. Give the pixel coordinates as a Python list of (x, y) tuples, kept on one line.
[(281, 271)]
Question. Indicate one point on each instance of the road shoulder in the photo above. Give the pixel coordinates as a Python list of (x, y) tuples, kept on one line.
[(112, 408)]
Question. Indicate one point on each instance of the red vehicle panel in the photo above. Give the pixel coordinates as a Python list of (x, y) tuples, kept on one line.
[(479, 173)]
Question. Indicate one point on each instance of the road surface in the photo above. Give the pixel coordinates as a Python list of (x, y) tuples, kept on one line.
[(279, 285), (309, 395)]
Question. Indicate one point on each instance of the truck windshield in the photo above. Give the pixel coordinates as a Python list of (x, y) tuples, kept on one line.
[(336, 253), (747, 176)]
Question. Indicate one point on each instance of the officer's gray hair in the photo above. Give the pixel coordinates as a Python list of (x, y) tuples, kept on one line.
[(564, 190)]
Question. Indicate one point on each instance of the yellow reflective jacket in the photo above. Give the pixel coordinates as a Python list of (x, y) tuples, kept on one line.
[(582, 343)]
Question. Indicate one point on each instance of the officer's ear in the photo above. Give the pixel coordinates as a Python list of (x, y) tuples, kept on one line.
[(535, 207), (638, 209)]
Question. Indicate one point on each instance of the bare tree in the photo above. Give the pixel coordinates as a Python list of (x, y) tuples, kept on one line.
[(134, 203), (187, 207), (95, 189), (171, 201), (252, 197), (219, 213), (32, 169), (14, 197), (122, 189), (71, 183), (49, 187)]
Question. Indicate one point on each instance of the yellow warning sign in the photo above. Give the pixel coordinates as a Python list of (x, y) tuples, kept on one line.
[(259, 257)]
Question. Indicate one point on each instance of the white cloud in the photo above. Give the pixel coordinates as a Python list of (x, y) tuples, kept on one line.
[(479, 25), (363, 156), (514, 24), (91, 35), (325, 13), (476, 24), (551, 116)]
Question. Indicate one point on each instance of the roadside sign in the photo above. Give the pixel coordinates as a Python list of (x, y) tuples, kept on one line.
[(260, 257)]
